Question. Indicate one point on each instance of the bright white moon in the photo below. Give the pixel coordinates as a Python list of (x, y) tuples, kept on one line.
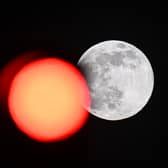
[(120, 79)]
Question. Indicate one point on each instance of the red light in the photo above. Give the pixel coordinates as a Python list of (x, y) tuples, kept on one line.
[(45, 100)]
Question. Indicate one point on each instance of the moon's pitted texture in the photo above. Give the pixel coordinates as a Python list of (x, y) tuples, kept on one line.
[(120, 79)]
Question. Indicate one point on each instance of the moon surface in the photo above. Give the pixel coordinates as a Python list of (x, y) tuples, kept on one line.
[(120, 79)]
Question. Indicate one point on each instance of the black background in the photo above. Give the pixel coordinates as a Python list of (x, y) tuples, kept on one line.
[(67, 33)]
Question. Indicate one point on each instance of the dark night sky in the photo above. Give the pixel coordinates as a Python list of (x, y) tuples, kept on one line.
[(67, 33)]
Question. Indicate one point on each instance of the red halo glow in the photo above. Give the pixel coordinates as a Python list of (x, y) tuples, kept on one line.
[(45, 100)]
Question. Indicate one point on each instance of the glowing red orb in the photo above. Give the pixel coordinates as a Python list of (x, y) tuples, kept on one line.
[(45, 100)]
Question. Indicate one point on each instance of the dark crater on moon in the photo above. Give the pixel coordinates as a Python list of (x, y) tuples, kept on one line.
[(110, 96), (130, 54), (116, 58), (121, 45)]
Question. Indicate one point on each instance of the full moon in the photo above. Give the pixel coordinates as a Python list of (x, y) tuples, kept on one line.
[(120, 79)]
